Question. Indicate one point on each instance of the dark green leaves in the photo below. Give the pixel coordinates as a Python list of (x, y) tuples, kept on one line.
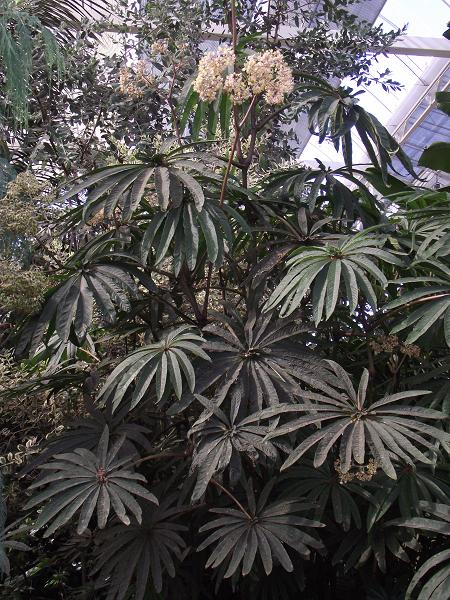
[(443, 102), (263, 357), (430, 306), (334, 112), (120, 187), (117, 191), (189, 230), (323, 488), (70, 307), (263, 530), (385, 426), (436, 157), (383, 544), (345, 269), (220, 442), (436, 585), (87, 482), (166, 362), (7, 542), (141, 552)]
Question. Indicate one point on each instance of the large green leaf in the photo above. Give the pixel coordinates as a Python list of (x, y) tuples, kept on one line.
[(267, 359), (141, 552), (83, 481), (329, 270), (70, 306), (167, 362), (436, 157), (443, 102), (264, 530), (220, 440), (386, 426)]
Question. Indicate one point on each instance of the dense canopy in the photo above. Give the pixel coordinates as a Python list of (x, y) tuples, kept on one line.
[(223, 372)]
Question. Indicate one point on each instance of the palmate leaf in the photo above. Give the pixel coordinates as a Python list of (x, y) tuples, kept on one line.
[(440, 524), (266, 356), (70, 306), (8, 542), (436, 586), (386, 426), (334, 112), (288, 226), (141, 553), (122, 188), (415, 484), (86, 431), (330, 271), (263, 531), (87, 482), (431, 304), (167, 362), (221, 440), (323, 488), (383, 543), (316, 187), (190, 230)]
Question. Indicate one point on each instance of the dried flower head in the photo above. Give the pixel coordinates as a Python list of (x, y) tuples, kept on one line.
[(410, 350), (134, 80), (360, 472), (159, 47), (384, 343)]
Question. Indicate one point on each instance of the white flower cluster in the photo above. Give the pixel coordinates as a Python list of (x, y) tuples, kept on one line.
[(237, 88), (211, 71), (263, 73), (268, 74)]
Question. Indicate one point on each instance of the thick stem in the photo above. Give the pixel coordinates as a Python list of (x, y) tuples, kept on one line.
[(272, 115), (185, 281), (233, 148), (172, 108), (233, 25), (207, 292)]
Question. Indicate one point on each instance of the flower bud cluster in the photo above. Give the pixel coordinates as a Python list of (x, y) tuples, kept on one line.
[(362, 473), (237, 88), (160, 47), (391, 344), (134, 80)]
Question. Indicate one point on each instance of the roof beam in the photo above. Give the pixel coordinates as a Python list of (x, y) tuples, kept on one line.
[(408, 45)]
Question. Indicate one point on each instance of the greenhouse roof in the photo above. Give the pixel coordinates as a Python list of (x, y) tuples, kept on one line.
[(421, 62)]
